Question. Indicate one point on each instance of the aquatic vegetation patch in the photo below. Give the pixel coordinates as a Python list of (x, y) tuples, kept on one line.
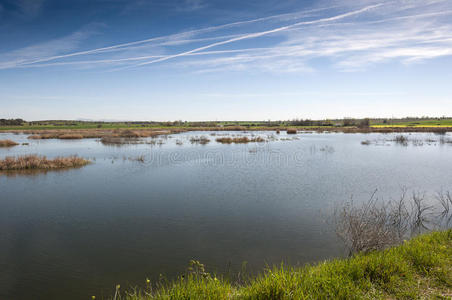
[(95, 133), (35, 162), (7, 143), (199, 140), (69, 136), (240, 140)]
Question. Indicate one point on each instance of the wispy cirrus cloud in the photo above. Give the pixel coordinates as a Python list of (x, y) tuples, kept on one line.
[(192, 5), (19, 57), (348, 35)]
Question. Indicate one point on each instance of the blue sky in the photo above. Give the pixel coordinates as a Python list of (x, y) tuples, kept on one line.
[(224, 60)]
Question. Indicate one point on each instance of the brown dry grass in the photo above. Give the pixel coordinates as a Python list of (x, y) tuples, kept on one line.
[(199, 140), (7, 143), (136, 132), (30, 162), (116, 140), (69, 136), (95, 133), (291, 131)]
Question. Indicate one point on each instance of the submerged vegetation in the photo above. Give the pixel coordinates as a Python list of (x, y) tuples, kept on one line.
[(405, 140), (35, 162), (7, 143), (418, 269), (377, 224)]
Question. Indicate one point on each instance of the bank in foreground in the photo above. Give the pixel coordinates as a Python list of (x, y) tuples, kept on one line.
[(419, 269)]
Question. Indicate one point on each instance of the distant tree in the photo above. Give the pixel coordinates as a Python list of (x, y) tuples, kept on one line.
[(11, 122), (364, 123), (348, 122)]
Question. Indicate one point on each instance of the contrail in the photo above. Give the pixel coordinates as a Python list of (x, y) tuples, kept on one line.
[(120, 60), (259, 34), (191, 32)]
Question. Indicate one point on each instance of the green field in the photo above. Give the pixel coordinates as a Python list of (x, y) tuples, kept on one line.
[(419, 269), (416, 123), (252, 125)]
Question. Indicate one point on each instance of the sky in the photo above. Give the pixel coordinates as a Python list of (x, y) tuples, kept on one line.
[(194, 60)]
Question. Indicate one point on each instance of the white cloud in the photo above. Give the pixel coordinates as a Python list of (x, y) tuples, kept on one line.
[(192, 5), (353, 36), (24, 55)]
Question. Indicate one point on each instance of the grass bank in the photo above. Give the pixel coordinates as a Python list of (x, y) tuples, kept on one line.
[(418, 269)]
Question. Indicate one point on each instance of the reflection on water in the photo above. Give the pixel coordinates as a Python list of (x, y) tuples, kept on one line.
[(146, 209), (32, 172)]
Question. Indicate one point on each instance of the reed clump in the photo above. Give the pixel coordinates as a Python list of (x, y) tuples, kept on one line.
[(239, 140), (377, 224), (199, 140), (116, 140), (401, 139), (96, 133), (69, 136), (8, 143), (35, 162)]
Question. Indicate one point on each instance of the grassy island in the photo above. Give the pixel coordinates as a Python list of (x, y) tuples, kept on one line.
[(36, 162)]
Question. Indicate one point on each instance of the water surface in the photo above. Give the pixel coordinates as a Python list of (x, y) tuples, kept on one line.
[(76, 233)]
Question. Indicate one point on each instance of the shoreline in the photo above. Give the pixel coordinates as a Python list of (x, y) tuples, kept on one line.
[(418, 268), (64, 133)]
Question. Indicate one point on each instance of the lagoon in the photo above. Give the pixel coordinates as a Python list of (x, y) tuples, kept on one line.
[(141, 210)]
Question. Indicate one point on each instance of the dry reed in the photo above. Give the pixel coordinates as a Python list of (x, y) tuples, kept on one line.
[(30, 162), (69, 136), (239, 140), (7, 143), (199, 140)]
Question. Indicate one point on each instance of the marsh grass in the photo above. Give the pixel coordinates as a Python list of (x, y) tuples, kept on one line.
[(69, 136), (115, 140), (401, 139), (35, 162), (7, 143), (97, 133), (240, 140), (199, 140), (418, 269), (443, 140)]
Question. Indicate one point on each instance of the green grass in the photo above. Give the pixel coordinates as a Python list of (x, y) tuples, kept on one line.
[(254, 125), (417, 123), (419, 269)]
